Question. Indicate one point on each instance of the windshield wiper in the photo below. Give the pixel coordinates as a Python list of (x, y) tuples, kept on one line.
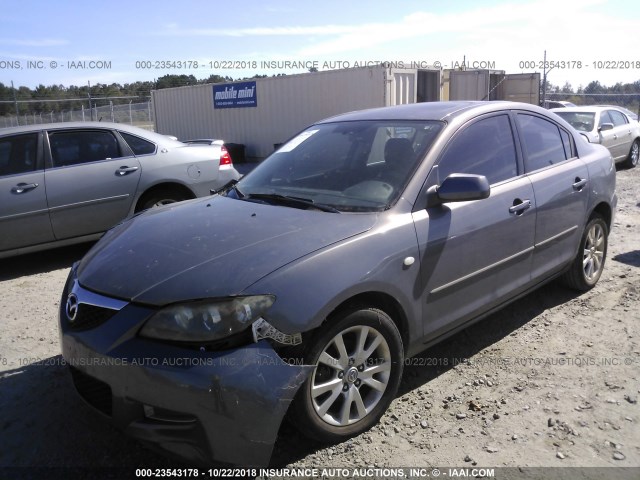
[(231, 184), (296, 201)]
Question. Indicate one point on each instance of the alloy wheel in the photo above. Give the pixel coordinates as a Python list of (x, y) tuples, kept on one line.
[(352, 375), (593, 252)]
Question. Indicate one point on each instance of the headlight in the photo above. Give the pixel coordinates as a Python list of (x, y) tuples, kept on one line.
[(206, 320)]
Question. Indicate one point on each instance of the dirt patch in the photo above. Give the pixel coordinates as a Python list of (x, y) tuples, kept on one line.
[(552, 380)]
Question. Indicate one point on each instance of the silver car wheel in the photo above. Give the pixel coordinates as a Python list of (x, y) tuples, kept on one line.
[(165, 201), (593, 252), (352, 374)]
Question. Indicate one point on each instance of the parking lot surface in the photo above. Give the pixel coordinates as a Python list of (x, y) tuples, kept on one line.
[(551, 380)]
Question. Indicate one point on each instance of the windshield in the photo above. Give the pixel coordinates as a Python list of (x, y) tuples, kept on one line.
[(348, 166), (582, 121)]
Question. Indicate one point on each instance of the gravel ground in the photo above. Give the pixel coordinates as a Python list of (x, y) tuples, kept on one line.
[(552, 380)]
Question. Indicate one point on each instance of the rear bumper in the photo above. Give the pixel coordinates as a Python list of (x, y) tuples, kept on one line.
[(204, 407)]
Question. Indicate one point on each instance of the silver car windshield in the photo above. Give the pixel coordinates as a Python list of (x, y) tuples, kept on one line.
[(582, 121), (346, 166)]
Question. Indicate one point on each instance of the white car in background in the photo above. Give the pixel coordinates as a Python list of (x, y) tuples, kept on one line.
[(609, 126)]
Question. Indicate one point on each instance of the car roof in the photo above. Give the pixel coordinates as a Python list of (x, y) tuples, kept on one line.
[(123, 127), (443, 111), (585, 108)]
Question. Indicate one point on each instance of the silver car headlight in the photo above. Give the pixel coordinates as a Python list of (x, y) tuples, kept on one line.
[(206, 320)]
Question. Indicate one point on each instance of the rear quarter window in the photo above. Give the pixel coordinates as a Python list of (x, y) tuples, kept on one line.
[(138, 145)]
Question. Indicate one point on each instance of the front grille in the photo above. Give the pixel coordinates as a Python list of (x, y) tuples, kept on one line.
[(95, 392), (90, 316)]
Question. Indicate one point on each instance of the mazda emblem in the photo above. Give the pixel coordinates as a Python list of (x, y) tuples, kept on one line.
[(72, 307)]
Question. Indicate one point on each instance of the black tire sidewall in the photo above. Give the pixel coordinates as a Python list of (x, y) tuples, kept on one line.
[(306, 419), (150, 200)]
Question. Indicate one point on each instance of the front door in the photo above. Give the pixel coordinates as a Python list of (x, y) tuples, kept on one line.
[(476, 254), (24, 215)]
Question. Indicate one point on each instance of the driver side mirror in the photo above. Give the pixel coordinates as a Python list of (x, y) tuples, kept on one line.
[(459, 187), (605, 126)]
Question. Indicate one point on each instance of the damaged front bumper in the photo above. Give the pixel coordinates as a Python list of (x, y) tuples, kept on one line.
[(203, 406)]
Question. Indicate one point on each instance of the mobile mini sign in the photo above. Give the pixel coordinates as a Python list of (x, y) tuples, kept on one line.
[(235, 95)]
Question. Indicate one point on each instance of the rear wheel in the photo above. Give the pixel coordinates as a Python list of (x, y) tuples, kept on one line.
[(589, 262), (634, 153), (359, 361), (160, 198)]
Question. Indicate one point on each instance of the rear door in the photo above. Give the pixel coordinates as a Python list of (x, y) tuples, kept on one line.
[(476, 254), (91, 183), (560, 183), (24, 216)]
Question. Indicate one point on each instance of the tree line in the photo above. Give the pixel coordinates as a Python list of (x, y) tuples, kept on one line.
[(100, 93), (622, 94)]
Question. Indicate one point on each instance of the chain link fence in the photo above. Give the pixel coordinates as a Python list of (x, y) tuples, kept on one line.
[(138, 114)]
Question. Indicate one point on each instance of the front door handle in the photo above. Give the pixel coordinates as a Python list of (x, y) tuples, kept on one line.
[(579, 183), (24, 187), (124, 170), (519, 206)]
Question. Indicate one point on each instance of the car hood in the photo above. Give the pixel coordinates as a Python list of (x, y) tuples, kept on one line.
[(207, 248)]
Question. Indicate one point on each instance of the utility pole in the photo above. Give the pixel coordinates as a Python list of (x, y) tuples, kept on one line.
[(544, 80), (15, 101), (89, 95)]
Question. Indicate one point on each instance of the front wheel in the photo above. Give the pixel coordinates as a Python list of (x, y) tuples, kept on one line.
[(359, 360), (587, 267), (634, 153)]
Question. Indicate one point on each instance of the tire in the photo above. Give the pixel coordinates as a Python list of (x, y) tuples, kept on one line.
[(159, 198), (587, 267), (348, 392), (634, 153)]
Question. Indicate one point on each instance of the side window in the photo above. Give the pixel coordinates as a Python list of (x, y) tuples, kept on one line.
[(604, 118), (484, 148), (83, 146), (138, 145), (18, 154), (541, 141), (617, 117)]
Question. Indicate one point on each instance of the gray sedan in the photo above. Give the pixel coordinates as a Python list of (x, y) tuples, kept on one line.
[(302, 289), (70, 182), (608, 126)]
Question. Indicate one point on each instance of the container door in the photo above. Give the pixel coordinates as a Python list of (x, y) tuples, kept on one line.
[(520, 87), (402, 87)]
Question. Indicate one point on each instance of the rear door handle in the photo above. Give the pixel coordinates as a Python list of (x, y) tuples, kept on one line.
[(519, 206), (124, 170), (24, 187), (579, 183)]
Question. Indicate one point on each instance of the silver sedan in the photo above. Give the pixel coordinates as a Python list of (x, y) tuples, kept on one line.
[(609, 126), (68, 183)]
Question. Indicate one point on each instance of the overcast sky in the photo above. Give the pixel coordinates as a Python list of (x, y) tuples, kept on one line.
[(61, 39)]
